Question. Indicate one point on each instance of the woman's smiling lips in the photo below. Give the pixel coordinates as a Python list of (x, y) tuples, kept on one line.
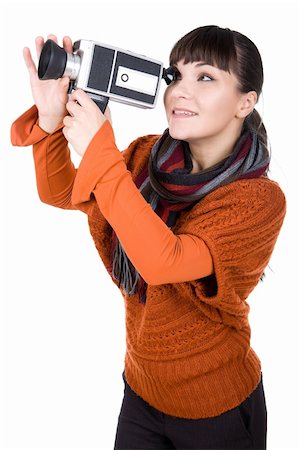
[(182, 113)]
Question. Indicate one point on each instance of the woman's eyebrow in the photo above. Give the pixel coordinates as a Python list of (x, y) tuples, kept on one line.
[(203, 64), (200, 64)]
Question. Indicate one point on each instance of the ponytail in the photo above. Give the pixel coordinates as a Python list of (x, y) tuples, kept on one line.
[(255, 124)]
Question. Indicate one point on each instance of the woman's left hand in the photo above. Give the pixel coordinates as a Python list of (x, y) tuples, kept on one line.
[(84, 121)]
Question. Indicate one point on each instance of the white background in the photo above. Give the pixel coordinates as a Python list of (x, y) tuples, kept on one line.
[(62, 318)]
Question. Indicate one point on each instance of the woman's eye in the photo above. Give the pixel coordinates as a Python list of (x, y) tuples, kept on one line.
[(205, 78), (176, 76)]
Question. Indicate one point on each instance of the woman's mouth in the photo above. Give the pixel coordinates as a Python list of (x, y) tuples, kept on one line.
[(182, 113)]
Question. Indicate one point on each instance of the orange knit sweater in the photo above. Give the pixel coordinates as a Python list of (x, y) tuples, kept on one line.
[(188, 350)]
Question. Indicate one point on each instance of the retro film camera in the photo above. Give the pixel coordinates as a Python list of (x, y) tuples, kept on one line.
[(105, 72)]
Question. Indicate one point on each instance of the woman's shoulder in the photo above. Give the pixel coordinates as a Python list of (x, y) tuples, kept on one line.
[(138, 152), (239, 202), (261, 189)]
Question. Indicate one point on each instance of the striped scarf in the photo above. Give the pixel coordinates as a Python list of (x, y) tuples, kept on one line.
[(167, 185)]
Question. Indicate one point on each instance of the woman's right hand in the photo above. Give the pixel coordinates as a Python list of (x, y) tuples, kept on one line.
[(50, 96)]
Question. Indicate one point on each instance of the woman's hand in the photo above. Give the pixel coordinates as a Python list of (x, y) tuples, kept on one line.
[(84, 121), (50, 96)]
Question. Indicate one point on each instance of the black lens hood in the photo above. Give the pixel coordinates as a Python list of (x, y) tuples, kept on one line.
[(52, 61)]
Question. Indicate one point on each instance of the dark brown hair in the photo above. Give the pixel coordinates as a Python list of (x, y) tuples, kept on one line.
[(230, 51)]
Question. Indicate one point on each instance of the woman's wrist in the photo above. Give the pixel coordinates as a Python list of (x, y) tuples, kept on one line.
[(49, 124)]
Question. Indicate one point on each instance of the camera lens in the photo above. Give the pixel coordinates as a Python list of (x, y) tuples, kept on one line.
[(52, 61)]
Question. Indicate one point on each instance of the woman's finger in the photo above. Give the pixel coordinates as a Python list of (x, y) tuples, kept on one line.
[(82, 98), (39, 43), (29, 61), (68, 121), (73, 108), (53, 37), (67, 44)]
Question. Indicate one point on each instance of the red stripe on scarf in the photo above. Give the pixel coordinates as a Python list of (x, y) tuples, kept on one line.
[(175, 161)]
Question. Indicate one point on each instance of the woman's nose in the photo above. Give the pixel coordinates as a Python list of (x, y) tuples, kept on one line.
[(182, 89)]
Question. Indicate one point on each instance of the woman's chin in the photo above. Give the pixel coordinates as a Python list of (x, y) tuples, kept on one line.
[(180, 135)]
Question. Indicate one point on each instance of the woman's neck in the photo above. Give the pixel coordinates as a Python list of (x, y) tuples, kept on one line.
[(209, 151)]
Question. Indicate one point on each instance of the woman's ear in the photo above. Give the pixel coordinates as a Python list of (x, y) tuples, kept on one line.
[(247, 104)]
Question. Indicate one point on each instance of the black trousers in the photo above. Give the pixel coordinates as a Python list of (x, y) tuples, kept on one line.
[(142, 427)]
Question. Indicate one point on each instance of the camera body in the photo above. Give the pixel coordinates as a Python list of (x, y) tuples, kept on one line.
[(121, 75), (104, 72)]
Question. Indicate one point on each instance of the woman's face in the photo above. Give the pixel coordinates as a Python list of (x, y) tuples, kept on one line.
[(202, 102)]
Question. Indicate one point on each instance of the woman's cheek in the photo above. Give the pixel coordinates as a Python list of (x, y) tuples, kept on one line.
[(166, 96), (166, 100)]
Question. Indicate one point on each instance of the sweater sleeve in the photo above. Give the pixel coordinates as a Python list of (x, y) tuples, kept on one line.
[(55, 172), (158, 254)]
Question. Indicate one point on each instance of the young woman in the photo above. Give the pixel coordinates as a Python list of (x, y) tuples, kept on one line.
[(185, 224)]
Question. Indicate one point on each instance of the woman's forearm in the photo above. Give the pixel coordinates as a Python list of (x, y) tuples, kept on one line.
[(158, 254), (55, 172)]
